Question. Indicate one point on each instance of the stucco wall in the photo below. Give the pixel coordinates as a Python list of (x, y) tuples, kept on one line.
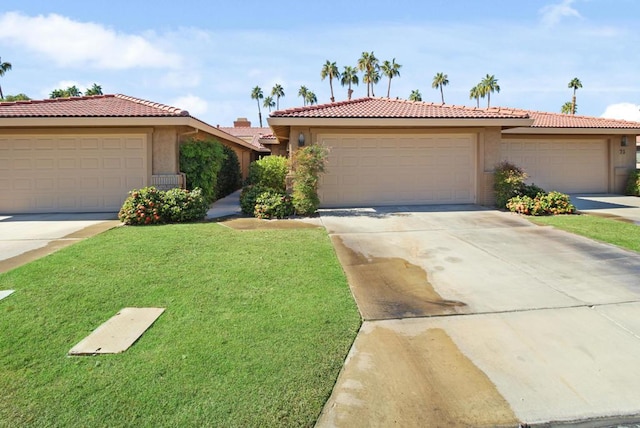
[(165, 150)]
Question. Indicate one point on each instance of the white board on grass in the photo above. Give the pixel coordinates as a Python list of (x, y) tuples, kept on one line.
[(118, 333), (5, 293)]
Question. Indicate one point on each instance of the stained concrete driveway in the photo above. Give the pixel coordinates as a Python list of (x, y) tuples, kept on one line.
[(476, 317), (26, 237)]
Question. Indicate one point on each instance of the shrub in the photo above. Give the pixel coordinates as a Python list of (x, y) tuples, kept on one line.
[(541, 204), (201, 161), (308, 162), (508, 182), (230, 176), (152, 206), (633, 183), (142, 206), (269, 172), (273, 204), (248, 197), (184, 206)]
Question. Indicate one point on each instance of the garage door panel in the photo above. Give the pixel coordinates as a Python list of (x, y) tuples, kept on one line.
[(564, 165), (403, 169), (70, 173)]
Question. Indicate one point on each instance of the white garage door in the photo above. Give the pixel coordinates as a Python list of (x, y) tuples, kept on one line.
[(46, 174), (399, 169), (578, 166)]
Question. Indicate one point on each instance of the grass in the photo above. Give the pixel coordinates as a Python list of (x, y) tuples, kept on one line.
[(256, 328), (625, 235)]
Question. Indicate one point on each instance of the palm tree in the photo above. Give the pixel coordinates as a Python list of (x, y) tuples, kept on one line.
[(349, 77), (277, 92), (302, 92), (94, 90), (488, 85), (439, 81), (269, 103), (415, 95), (368, 64), (330, 70), (574, 84), (256, 94), (4, 67), (569, 108), (73, 91), (311, 98), (476, 93), (391, 70), (17, 97)]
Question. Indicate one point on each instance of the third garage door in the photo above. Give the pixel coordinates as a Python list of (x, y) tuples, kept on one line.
[(570, 166), (399, 169)]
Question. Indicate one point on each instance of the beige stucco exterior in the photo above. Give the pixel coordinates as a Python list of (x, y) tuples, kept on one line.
[(491, 143)]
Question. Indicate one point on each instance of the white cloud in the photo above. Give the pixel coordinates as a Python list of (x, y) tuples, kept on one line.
[(552, 14), (195, 105), (624, 111), (69, 43)]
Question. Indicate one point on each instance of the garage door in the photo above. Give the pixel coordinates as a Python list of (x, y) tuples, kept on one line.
[(389, 170), (578, 166), (41, 174)]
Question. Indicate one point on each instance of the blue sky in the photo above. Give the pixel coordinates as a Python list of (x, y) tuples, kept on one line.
[(206, 56)]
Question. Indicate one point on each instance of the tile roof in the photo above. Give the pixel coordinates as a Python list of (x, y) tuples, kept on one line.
[(557, 120), (378, 108), (93, 106), (254, 135)]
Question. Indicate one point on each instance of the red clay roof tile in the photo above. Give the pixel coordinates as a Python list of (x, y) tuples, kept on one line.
[(379, 108), (94, 106)]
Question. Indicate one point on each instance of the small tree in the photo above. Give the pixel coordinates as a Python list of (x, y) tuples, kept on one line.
[(230, 176), (201, 161), (308, 163)]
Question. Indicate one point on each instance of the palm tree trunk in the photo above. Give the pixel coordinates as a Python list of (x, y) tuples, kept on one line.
[(349, 92), (278, 102), (573, 103), (442, 94), (259, 113), (488, 99), (389, 88), (478, 102), (333, 100), (1, 94)]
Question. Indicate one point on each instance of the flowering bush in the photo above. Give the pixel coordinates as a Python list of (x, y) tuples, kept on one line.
[(153, 206), (273, 204), (543, 204), (143, 206)]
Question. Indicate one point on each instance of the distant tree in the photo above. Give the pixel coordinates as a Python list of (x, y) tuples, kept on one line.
[(71, 91), (18, 97), (415, 95), (330, 70), (439, 81), (311, 98), (277, 92), (4, 67), (574, 84), (269, 103), (390, 70), (94, 90), (349, 77), (476, 93), (369, 65), (569, 108), (256, 94), (488, 85), (302, 92)]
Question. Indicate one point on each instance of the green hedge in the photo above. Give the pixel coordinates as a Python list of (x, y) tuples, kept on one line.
[(201, 161)]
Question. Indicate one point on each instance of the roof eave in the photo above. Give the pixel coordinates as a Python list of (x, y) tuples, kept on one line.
[(205, 127), (61, 122), (572, 131), (398, 122)]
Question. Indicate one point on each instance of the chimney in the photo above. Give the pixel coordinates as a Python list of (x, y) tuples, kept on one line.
[(241, 122)]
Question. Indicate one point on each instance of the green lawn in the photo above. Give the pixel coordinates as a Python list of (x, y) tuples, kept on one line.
[(625, 235), (256, 328)]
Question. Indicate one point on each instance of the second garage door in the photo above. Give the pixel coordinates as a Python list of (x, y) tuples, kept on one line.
[(570, 166), (403, 169), (90, 173)]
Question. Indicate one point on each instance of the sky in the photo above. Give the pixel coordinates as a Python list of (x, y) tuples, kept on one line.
[(206, 56)]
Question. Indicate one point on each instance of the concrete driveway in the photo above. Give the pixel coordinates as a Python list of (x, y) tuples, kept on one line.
[(26, 237), (608, 205), (476, 317)]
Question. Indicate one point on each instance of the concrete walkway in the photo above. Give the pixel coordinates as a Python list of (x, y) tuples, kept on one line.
[(475, 317), (608, 205), (225, 207)]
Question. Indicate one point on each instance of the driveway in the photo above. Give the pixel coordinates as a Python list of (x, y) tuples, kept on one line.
[(26, 237), (608, 205), (475, 317)]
